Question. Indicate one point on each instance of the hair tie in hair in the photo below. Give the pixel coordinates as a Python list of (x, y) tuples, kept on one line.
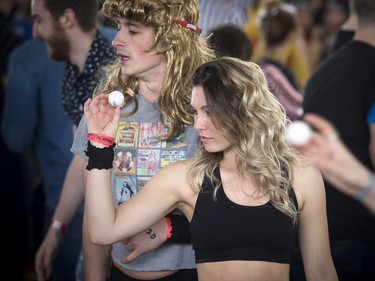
[(187, 25)]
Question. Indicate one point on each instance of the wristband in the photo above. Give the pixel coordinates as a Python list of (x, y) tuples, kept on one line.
[(169, 227), (99, 158), (180, 229), (58, 225), (363, 193), (101, 138)]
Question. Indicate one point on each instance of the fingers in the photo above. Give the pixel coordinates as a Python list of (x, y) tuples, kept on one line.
[(132, 256), (86, 106), (323, 134), (324, 144), (325, 128), (103, 103), (48, 271), (101, 116), (98, 98), (39, 272), (130, 247), (117, 115), (42, 267), (99, 104), (96, 103), (316, 140)]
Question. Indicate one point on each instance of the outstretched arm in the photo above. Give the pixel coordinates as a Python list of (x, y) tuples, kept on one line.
[(156, 199), (146, 242), (337, 164), (69, 202)]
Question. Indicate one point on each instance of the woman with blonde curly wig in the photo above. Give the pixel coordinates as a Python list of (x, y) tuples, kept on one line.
[(158, 46), (247, 195)]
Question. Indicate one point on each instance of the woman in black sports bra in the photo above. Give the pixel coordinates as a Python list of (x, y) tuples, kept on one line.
[(248, 195)]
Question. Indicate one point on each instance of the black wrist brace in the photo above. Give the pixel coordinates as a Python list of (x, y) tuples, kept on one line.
[(99, 158)]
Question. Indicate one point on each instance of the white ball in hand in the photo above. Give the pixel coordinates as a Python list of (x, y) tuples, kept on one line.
[(116, 98), (298, 133)]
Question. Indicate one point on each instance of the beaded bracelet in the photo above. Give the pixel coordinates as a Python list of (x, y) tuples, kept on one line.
[(101, 138), (360, 195)]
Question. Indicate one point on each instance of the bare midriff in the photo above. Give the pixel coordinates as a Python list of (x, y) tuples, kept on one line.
[(243, 271)]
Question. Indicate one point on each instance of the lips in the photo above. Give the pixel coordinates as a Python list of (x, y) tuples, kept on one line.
[(121, 54), (204, 139), (122, 57)]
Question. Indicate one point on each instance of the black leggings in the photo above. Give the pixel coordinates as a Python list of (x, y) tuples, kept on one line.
[(182, 275)]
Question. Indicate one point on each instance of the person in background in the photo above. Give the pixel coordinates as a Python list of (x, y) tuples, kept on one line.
[(278, 30), (337, 164), (347, 30), (245, 175), (216, 13), (34, 107), (232, 41), (335, 15), (69, 31), (251, 27), (293, 57), (345, 83), (311, 33)]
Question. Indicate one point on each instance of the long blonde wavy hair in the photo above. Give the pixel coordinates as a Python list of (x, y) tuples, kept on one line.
[(183, 48), (244, 110)]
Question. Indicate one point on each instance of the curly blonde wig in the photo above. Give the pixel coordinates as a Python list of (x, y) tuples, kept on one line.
[(244, 110), (183, 48)]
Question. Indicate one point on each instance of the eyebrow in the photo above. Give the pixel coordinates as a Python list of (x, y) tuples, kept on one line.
[(204, 107), (132, 23)]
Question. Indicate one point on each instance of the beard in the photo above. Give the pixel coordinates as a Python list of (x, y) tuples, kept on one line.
[(58, 44)]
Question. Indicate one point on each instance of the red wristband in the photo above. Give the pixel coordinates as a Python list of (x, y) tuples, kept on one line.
[(169, 227), (58, 225), (101, 138)]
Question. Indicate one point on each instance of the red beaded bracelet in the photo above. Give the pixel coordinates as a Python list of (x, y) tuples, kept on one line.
[(101, 138)]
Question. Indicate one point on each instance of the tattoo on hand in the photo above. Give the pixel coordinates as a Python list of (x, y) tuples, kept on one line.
[(150, 233)]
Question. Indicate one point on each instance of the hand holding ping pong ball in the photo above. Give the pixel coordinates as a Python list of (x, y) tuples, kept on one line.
[(116, 98), (298, 133)]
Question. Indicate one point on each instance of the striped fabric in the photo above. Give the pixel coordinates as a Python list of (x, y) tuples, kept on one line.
[(215, 13)]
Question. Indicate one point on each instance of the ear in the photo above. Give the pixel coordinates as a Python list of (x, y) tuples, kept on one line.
[(68, 19)]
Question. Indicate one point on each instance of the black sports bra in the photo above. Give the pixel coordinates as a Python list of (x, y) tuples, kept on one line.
[(222, 230)]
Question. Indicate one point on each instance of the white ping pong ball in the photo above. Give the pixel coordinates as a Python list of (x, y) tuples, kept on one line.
[(298, 133), (116, 98)]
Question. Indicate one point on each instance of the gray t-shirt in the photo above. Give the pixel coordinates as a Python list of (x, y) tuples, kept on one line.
[(138, 156)]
